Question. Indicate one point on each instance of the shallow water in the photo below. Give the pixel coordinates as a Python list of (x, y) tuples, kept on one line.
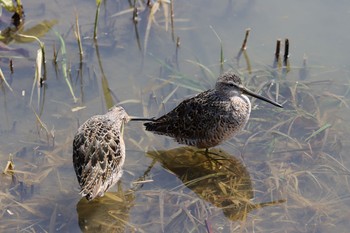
[(286, 172)]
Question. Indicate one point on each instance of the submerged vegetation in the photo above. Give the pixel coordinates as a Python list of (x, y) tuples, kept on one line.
[(286, 170)]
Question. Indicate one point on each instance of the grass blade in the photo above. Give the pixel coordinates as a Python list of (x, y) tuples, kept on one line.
[(2, 77), (64, 65), (326, 126)]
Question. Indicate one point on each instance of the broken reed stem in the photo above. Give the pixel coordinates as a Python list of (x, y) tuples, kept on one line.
[(78, 37), (135, 17), (286, 50), (42, 47), (96, 18), (11, 66), (54, 60), (172, 19), (278, 48), (244, 45), (177, 52)]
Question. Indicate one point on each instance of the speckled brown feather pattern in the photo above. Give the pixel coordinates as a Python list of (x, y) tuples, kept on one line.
[(99, 152), (208, 118)]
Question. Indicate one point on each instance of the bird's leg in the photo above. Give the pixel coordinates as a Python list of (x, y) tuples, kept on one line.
[(206, 153)]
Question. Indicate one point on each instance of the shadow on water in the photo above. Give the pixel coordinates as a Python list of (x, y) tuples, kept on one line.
[(215, 176)]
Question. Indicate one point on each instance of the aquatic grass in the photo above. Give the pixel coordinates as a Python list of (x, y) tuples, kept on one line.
[(204, 69), (151, 15), (166, 99), (64, 65), (98, 4), (135, 21), (78, 37), (295, 174), (320, 130), (37, 77), (151, 19), (180, 79), (2, 77), (222, 59), (172, 21), (9, 6), (40, 62), (298, 170), (49, 134), (104, 81)]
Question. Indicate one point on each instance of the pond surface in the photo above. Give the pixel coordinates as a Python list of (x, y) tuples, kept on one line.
[(287, 171)]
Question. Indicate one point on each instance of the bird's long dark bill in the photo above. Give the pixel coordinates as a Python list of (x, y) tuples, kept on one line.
[(249, 92), (141, 119)]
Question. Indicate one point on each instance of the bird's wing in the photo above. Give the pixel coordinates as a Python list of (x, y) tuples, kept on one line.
[(192, 118), (96, 154)]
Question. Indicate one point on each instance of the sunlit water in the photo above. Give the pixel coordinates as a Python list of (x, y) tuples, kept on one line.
[(291, 165)]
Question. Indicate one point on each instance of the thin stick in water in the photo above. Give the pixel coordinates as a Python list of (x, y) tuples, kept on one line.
[(244, 45), (78, 37), (278, 48), (172, 19), (177, 53), (286, 51)]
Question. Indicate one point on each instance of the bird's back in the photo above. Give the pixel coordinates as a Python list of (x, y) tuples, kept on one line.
[(204, 120), (98, 154)]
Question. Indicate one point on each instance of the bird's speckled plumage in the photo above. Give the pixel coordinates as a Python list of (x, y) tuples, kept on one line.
[(99, 152), (210, 117)]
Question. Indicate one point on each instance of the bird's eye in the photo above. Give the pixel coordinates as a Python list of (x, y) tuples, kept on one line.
[(231, 84)]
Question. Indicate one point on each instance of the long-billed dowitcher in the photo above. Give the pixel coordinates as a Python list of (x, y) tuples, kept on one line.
[(210, 117), (99, 152)]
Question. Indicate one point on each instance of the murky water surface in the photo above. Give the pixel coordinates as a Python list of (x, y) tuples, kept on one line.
[(288, 171)]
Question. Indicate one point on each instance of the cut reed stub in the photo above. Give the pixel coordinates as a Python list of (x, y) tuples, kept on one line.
[(244, 44), (278, 48), (286, 50)]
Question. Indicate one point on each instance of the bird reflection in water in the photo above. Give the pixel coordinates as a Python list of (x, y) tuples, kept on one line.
[(216, 177), (106, 214)]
